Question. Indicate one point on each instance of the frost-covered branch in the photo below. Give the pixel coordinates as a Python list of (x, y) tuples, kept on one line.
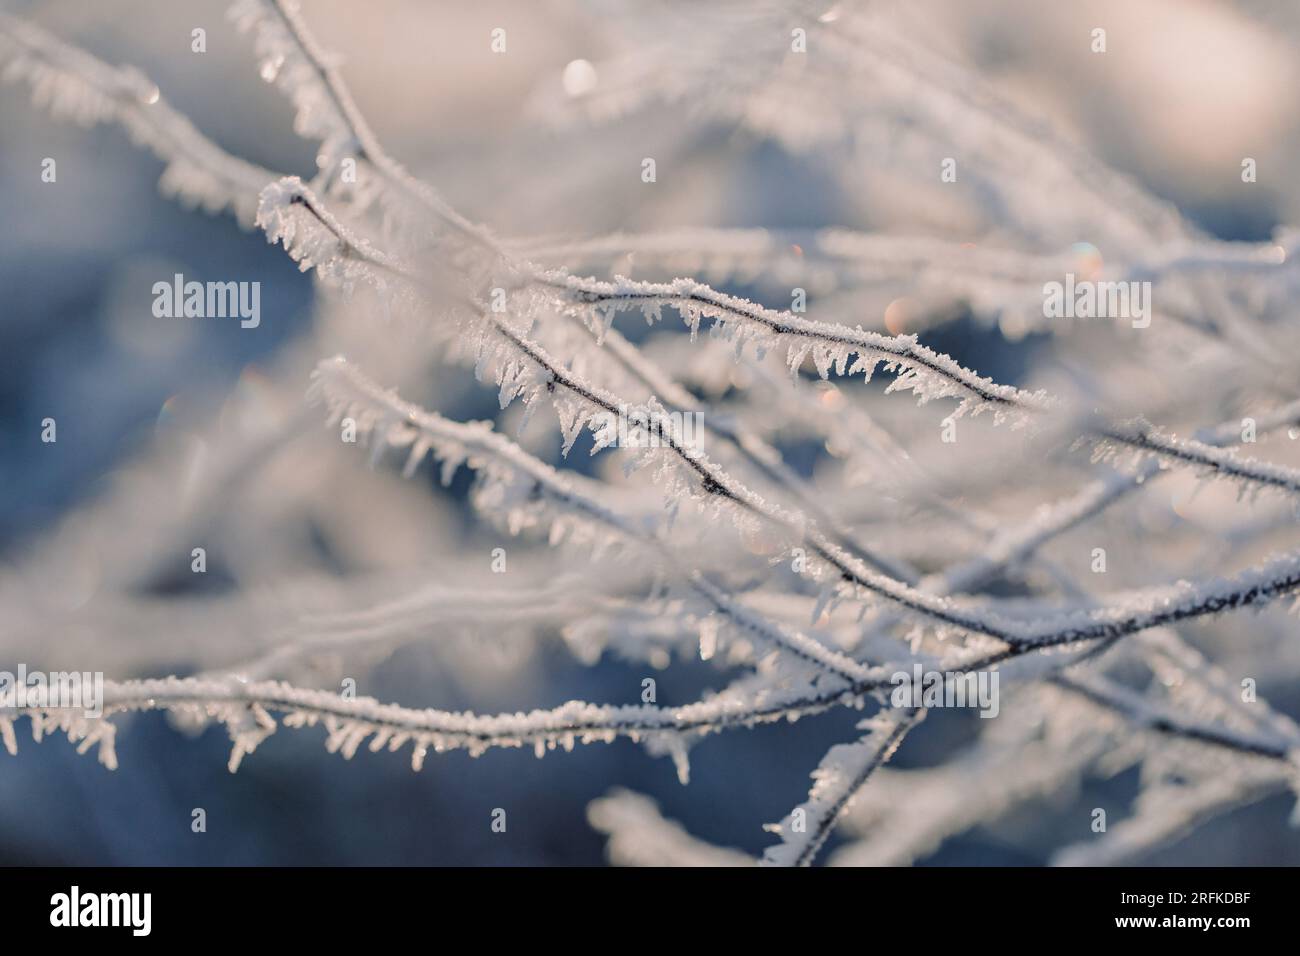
[(1089, 626), (1206, 458), (293, 59), (400, 424), (74, 85), (245, 708), (841, 774), (1144, 714), (929, 374)]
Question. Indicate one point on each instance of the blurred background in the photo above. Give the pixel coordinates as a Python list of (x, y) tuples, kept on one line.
[(173, 433)]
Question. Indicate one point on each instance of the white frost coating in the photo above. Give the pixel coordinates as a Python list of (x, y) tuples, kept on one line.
[(74, 85), (292, 215), (918, 369), (836, 781), (1147, 714), (246, 707), (1132, 612), (501, 463), (400, 424), (1041, 744), (283, 61), (1014, 543), (998, 283), (314, 237), (1143, 439), (1135, 612), (291, 58)]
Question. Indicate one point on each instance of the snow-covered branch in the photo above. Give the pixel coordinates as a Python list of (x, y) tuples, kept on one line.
[(74, 85)]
